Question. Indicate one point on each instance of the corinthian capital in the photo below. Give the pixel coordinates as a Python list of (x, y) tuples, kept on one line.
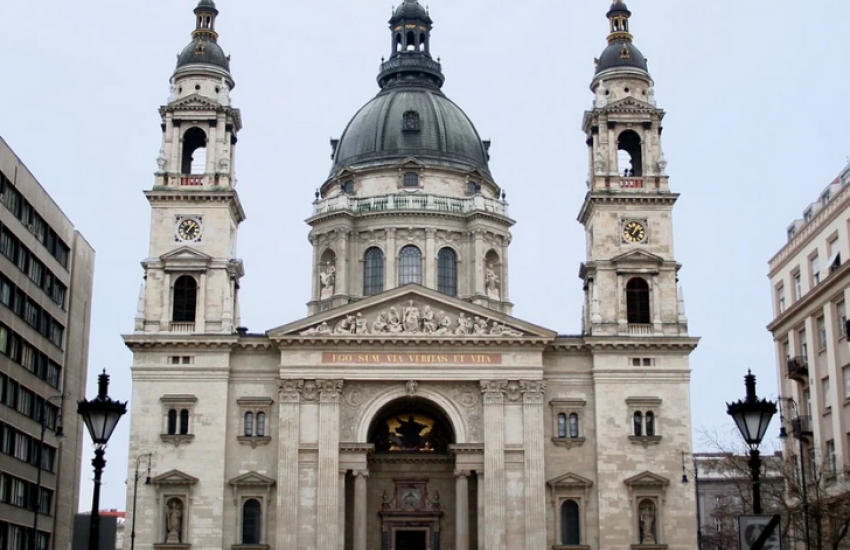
[(330, 390), (532, 390), (290, 390), (494, 390)]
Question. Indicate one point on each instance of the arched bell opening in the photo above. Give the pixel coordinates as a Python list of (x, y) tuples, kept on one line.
[(194, 152), (629, 156)]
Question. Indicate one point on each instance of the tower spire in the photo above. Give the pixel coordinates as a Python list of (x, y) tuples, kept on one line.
[(410, 58), (206, 14)]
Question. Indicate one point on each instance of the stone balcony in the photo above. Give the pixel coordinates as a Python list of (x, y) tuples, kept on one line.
[(410, 202)]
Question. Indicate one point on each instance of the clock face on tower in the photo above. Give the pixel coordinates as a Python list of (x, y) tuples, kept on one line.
[(189, 229), (634, 232)]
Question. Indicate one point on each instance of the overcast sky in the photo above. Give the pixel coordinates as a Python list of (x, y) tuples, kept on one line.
[(755, 128)]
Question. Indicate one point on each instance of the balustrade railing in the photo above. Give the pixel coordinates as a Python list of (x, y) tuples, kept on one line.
[(403, 201), (631, 183), (183, 328), (191, 181), (641, 330)]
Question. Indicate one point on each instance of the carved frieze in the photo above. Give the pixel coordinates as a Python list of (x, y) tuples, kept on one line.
[(411, 318)]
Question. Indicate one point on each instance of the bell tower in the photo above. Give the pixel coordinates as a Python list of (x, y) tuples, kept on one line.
[(630, 273), (192, 274)]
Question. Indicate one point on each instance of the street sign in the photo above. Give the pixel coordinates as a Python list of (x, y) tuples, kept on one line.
[(759, 532)]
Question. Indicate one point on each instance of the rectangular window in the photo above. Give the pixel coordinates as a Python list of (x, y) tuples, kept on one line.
[(831, 456), (58, 294), (815, 265), (798, 286), (841, 314), (846, 371), (411, 179), (821, 326), (5, 292), (804, 346), (780, 299), (834, 261), (25, 398), (827, 403), (36, 271), (57, 332), (23, 258)]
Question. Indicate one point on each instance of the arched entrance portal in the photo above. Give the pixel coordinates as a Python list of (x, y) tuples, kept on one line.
[(414, 486)]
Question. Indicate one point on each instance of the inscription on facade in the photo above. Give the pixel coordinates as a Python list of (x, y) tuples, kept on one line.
[(330, 358)]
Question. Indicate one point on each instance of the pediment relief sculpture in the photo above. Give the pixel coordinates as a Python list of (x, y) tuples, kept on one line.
[(412, 318)]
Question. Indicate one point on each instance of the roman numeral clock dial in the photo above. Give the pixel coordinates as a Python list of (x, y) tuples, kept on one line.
[(634, 232), (189, 230)]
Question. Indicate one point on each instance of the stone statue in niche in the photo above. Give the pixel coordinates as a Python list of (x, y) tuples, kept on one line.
[(491, 282), (601, 96), (161, 161), (174, 522), (647, 523), (662, 164), (328, 281)]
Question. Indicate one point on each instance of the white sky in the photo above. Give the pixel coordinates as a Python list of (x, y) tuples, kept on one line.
[(755, 129)]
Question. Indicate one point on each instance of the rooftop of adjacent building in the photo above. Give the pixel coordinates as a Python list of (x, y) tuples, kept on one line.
[(799, 232)]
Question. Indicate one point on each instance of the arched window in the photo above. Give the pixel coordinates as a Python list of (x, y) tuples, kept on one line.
[(562, 425), (570, 527), (373, 272), (630, 159), (249, 424), (398, 42), (185, 300), (637, 301), (447, 272), (261, 424), (573, 425), (411, 41), (422, 42), (172, 422), (638, 424), (184, 422), (251, 522), (650, 423), (194, 152), (410, 266)]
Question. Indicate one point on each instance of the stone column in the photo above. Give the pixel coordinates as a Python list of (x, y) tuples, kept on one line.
[(494, 462), (461, 510), (478, 263), (480, 519), (212, 149), (165, 315), (175, 166), (622, 314), (360, 508), (201, 317), (342, 262), (287, 473), (535, 474), (327, 494), (430, 259), (342, 474), (655, 288), (505, 295), (391, 261), (316, 267)]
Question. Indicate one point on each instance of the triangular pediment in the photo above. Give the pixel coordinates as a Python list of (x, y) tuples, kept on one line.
[(252, 479), (630, 103), (412, 162), (570, 480), (638, 256), (194, 102), (647, 479), (174, 477), (185, 253), (412, 311)]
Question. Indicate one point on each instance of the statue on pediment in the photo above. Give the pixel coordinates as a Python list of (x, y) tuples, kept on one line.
[(395, 326), (361, 325), (411, 317), (429, 326), (380, 325)]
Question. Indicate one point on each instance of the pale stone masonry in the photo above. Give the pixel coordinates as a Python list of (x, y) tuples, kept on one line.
[(47, 273), (410, 410)]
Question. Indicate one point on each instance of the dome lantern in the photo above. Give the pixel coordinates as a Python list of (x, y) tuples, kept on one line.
[(621, 52), (204, 50), (410, 57)]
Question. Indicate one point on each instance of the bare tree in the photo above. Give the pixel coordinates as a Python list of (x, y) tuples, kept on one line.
[(782, 490)]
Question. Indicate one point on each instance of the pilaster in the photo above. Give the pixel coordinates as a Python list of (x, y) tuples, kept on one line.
[(494, 463), (391, 261), (533, 392), (327, 517), (287, 476)]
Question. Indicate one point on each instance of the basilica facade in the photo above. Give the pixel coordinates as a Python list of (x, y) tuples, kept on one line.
[(410, 410)]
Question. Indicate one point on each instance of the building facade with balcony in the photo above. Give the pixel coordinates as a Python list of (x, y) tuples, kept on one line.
[(810, 285), (410, 409), (46, 278)]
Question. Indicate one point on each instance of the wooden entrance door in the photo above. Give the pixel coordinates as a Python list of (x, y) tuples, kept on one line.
[(411, 540)]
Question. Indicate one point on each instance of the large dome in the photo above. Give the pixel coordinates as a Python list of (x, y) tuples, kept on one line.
[(411, 121)]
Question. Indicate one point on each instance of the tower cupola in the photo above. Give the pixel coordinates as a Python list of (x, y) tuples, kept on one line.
[(203, 52), (410, 59), (621, 53)]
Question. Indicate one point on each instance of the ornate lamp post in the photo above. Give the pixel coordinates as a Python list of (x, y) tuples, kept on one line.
[(101, 415), (753, 415)]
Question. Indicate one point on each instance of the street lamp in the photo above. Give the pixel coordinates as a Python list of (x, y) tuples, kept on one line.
[(40, 461), (135, 487), (101, 415), (797, 426), (753, 415), (696, 490)]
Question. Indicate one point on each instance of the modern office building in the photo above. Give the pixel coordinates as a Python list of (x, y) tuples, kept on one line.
[(46, 276)]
